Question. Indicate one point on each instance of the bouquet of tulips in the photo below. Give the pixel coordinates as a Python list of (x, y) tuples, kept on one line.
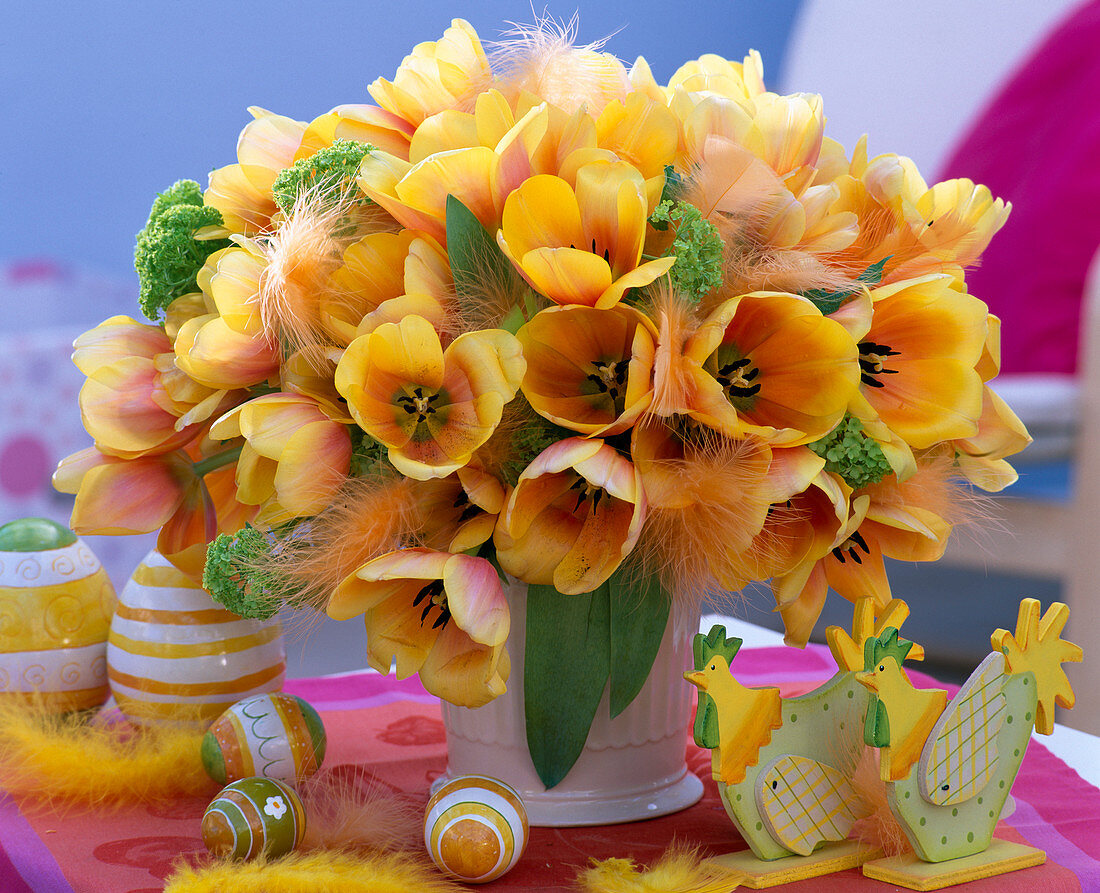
[(535, 316)]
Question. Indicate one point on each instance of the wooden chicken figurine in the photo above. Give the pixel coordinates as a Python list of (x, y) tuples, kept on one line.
[(948, 767), (783, 765)]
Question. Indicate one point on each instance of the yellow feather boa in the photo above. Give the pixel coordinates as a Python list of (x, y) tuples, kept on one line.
[(317, 872)]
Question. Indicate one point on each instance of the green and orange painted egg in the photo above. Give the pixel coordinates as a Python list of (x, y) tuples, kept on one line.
[(56, 602), (176, 656), (475, 828), (254, 816), (271, 735)]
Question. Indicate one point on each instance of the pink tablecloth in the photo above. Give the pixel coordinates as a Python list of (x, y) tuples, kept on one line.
[(391, 733)]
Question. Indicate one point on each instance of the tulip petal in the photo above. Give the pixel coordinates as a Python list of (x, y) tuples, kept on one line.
[(476, 600), (135, 496)]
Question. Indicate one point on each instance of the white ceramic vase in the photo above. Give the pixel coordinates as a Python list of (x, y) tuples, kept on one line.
[(632, 767)]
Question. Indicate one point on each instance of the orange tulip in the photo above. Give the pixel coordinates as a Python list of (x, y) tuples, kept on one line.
[(918, 361), (767, 365), (574, 515), (589, 370), (885, 519), (126, 404), (440, 615), (458, 513)]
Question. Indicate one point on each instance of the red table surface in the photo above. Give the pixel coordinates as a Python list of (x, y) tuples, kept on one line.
[(390, 733)]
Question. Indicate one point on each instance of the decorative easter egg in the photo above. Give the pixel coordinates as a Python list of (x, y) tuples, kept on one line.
[(475, 828), (175, 655), (253, 816), (271, 735), (56, 602)]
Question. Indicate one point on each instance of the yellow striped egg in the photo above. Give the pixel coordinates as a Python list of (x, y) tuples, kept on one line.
[(254, 816), (55, 610), (475, 828), (271, 735), (174, 655)]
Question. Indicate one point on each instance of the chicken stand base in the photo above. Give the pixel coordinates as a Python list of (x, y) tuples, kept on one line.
[(756, 874), (908, 871)]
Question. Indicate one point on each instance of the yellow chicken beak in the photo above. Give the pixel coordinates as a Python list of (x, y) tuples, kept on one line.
[(697, 679), (868, 681)]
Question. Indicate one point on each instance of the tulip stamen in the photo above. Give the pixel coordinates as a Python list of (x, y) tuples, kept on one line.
[(738, 378), (851, 548), (436, 598), (872, 362), (609, 377), (420, 404), (587, 492), (469, 510)]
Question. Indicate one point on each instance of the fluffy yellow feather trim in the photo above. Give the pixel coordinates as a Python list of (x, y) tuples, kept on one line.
[(679, 870), (318, 872), (119, 764)]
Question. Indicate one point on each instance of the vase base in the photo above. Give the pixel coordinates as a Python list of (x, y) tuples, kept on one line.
[(573, 808)]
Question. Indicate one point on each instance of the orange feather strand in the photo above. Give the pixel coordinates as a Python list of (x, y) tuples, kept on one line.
[(352, 810), (543, 59), (370, 516), (694, 546), (303, 253)]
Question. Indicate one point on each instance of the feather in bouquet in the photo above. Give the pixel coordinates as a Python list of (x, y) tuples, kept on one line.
[(535, 314)]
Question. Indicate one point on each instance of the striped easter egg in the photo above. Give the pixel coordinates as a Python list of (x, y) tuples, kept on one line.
[(175, 655), (253, 816), (271, 735), (475, 828), (56, 602)]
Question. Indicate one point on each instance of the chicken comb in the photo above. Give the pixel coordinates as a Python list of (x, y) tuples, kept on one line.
[(714, 643), (886, 644)]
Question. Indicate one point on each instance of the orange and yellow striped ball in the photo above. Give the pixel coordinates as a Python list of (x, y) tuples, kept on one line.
[(475, 828), (271, 735), (174, 655), (56, 602), (254, 816)]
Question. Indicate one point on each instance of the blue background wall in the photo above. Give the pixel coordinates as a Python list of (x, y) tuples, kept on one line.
[(106, 103)]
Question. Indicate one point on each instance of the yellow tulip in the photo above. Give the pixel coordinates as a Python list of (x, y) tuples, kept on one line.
[(294, 453), (581, 246), (711, 73), (242, 192), (437, 75), (431, 407)]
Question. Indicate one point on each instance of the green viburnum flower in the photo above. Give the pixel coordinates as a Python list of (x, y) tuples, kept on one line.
[(697, 248), (235, 578), (168, 256), (850, 453), (329, 175)]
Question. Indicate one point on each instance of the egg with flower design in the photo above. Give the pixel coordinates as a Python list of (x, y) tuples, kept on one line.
[(254, 816), (56, 602), (475, 828), (270, 735)]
